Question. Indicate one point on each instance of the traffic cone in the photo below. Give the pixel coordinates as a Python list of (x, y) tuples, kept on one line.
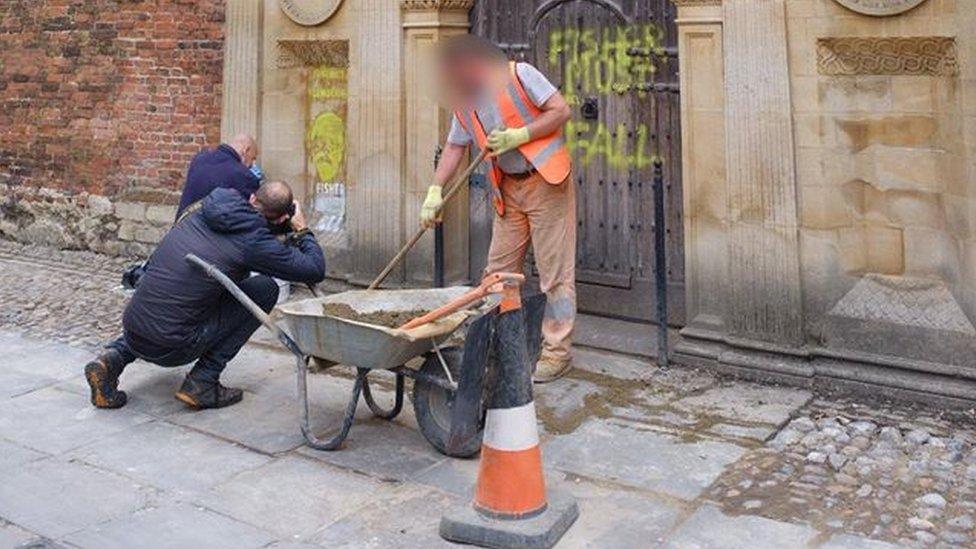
[(511, 506)]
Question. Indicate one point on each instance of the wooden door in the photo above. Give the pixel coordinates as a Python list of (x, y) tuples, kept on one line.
[(616, 62)]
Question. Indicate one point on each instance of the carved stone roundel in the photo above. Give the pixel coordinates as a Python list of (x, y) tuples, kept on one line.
[(880, 7), (309, 12)]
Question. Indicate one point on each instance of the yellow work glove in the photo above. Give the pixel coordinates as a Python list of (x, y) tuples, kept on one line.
[(434, 200), (501, 141)]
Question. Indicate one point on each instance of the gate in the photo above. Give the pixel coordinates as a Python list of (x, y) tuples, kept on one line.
[(616, 63)]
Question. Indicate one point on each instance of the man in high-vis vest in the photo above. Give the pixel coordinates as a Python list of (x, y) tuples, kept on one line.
[(515, 113)]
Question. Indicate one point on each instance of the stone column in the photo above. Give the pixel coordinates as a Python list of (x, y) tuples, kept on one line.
[(703, 164), (764, 272), (741, 226), (375, 199), (242, 68), (425, 22)]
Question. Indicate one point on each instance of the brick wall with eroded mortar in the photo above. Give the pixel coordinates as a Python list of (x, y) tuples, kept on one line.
[(102, 102)]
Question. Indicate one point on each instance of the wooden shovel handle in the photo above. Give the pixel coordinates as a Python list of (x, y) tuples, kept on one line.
[(490, 284), (451, 191)]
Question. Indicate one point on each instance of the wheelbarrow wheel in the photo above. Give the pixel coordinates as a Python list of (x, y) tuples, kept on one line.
[(432, 405)]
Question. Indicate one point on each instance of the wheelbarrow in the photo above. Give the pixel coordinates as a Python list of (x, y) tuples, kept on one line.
[(448, 387)]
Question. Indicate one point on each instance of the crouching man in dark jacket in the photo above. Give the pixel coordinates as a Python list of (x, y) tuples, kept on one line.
[(178, 314)]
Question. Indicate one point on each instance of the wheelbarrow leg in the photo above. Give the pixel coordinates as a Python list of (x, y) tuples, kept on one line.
[(377, 410), (310, 438)]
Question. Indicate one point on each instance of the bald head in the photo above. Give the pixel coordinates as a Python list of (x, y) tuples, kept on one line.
[(246, 147), (274, 199)]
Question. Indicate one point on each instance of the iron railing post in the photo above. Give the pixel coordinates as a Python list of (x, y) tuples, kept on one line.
[(660, 266)]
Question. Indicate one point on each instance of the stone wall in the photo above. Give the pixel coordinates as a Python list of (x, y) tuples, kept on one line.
[(830, 226), (886, 184), (103, 102)]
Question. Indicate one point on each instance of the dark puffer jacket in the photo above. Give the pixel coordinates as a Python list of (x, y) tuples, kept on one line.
[(217, 168), (174, 298)]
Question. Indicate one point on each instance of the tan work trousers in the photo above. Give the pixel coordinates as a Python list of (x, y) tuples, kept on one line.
[(544, 215)]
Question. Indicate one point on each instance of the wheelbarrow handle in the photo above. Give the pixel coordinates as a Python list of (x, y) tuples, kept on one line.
[(492, 283), (247, 302)]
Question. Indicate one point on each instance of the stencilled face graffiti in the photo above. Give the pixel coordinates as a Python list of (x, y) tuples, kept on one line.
[(325, 142)]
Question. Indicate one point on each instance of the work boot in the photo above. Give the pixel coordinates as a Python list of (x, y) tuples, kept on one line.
[(550, 369), (207, 394), (103, 379)]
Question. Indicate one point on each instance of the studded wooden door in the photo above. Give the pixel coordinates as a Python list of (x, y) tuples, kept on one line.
[(616, 62)]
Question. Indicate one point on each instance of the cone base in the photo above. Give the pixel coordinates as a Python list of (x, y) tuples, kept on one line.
[(465, 525)]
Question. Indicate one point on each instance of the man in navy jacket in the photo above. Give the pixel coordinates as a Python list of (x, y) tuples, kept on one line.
[(178, 314), (227, 166)]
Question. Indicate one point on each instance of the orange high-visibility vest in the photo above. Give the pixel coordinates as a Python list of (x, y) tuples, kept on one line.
[(547, 154)]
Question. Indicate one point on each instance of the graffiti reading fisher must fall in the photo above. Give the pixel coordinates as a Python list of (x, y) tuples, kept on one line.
[(597, 63)]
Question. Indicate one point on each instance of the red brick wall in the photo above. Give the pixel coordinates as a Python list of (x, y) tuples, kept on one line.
[(103, 95)]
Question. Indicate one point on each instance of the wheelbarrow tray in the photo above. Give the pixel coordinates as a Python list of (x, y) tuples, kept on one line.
[(364, 345)]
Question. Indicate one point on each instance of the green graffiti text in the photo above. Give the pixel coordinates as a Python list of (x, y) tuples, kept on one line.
[(592, 140), (610, 60)]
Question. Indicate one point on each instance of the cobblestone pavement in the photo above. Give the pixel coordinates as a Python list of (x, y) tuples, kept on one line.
[(68, 296), (675, 458), (882, 472)]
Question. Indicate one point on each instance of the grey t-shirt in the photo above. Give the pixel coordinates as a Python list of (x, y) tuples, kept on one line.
[(537, 87)]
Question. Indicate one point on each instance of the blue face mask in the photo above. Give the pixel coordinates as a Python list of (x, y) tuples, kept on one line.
[(256, 170)]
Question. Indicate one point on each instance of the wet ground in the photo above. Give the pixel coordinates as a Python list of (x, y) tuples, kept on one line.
[(676, 458)]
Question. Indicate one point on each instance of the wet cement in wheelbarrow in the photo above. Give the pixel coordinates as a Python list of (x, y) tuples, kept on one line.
[(388, 319)]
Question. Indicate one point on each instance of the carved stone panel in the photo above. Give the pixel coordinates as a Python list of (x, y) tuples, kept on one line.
[(312, 53), (880, 7), (421, 5), (912, 55)]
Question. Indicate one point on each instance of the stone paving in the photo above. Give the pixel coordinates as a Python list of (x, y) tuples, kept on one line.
[(677, 458)]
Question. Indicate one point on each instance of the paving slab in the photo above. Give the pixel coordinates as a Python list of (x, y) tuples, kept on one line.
[(709, 528), (294, 496), (255, 367), (407, 517), (13, 536), (15, 383), (609, 517), (172, 526), (456, 476), (633, 338), (55, 421), (268, 421), (851, 541), (748, 402), (612, 364), (149, 388), (748, 432), (616, 518), (19, 343), (54, 497), (54, 360), (170, 457), (13, 455), (383, 449), (643, 459), (561, 406)]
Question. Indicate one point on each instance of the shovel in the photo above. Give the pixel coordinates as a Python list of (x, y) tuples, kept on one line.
[(451, 191)]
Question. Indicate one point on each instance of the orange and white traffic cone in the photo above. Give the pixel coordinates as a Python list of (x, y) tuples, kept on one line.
[(511, 507)]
